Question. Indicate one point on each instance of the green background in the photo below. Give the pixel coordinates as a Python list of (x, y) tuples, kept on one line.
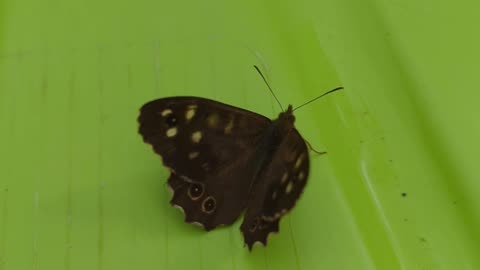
[(398, 188)]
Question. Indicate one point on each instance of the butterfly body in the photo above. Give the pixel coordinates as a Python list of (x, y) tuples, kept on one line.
[(225, 161)]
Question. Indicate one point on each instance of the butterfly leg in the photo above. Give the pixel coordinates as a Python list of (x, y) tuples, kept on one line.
[(313, 150)]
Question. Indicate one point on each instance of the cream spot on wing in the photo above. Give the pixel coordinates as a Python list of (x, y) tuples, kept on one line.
[(299, 161), (196, 136), (212, 120), (279, 214), (289, 188), (193, 155), (284, 178), (274, 195), (171, 132), (190, 114), (206, 167), (166, 112), (170, 190), (301, 175), (276, 216), (179, 208), (229, 127), (196, 223)]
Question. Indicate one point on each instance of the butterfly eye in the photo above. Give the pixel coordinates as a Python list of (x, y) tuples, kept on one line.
[(208, 205), (254, 224), (195, 191), (171, 120)]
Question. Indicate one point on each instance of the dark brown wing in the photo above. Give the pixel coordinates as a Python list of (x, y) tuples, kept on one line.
[(277, 190), (206, 144), (196, 136)]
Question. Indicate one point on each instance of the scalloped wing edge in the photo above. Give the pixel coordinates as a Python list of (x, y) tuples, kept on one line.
[(263, 241)]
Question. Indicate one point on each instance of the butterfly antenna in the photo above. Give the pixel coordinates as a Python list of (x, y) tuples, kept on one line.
[(265, 80), (324, 94)]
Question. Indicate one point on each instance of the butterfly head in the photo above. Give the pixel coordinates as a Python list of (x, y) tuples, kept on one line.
[(285, 122), (287, 116)]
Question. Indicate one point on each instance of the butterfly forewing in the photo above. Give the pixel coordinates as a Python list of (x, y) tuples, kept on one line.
[(196, 136), (207, 146)]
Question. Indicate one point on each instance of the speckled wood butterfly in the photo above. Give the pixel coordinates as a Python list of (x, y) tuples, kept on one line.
[(225, 160)]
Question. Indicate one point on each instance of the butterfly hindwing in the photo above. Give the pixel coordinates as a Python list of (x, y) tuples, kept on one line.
[(200, 141), (286, 189), (279, 187), (217, 200)]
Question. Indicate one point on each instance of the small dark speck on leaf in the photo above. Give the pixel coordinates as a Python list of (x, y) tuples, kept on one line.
[(422, 239), (404, 194)]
